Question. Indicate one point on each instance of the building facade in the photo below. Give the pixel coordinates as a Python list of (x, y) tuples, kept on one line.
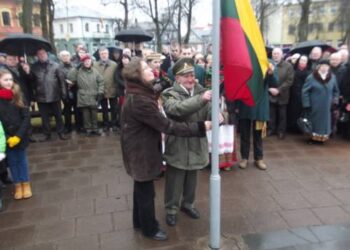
[(78, 25), (11, 15), (323, 22)]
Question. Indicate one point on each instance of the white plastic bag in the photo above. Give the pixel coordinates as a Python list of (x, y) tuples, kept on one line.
[(226, 139)]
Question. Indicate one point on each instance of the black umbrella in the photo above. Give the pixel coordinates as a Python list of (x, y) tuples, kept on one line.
[(306, 47), (23, 44), (112, 50), (134, 35)]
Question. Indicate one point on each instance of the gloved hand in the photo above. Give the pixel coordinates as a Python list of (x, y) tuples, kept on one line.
[(13, 141), (99, 97), (157, 88), (2, 156)]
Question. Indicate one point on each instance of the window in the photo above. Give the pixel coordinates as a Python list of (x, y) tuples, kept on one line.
[(331, 26), (291, 13), (36, 20), (61, 28), (20, 18), (315, 27), (98, 29), (87, 27), (322, 10), (107, 28), (334, 8), (70, 27), (6, 20), (291, 29)]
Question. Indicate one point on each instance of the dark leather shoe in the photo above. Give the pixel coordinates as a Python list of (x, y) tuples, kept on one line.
[(62, 137), (32, 139), (46, 138), (281, 136), (191, 212), (160, 235), (171, 219)]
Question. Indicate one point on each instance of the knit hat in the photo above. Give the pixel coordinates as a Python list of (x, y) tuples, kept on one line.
[(85, 57)]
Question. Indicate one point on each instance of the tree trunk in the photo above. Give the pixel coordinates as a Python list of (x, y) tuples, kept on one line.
[(51, 9), (303, 26), (179, 16), (189, 21), (27, 14), (126, 14), (43, 18), (262, 17), (158, 33)]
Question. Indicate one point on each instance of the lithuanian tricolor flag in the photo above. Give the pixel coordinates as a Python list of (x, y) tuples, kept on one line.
[(243, 52)]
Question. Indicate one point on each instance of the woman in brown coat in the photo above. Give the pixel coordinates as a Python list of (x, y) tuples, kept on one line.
[(142, 124)]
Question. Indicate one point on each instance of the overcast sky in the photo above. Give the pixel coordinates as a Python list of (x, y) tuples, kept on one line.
[(202, 11)]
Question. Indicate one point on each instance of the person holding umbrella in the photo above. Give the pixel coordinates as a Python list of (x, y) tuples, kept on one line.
[(49, 89)]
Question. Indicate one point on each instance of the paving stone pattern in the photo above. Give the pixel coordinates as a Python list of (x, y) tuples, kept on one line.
[(83, 200)]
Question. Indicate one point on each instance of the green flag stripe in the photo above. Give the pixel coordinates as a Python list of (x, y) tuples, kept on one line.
[(255, 83), (228, 9)]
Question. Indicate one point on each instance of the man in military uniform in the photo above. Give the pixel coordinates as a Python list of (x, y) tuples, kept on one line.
[(186, 101)]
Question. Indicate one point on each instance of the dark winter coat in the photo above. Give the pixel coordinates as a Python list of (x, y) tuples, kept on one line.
[(142, 124), (339, 73), (295, 106), (261, 110), (66, 68), (319, 95), (15, 122), (48, 82), (345, 85), (284, 82), (120, 81)]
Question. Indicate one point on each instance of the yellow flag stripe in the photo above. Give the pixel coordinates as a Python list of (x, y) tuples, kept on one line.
[(252, 32)]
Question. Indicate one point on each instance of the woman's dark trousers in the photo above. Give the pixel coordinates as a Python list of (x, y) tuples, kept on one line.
[(143, 211)]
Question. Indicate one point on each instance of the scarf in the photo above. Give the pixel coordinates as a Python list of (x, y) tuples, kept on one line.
[(6, 94)]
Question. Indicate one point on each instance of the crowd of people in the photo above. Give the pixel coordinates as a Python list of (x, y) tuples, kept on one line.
[(153, 99)]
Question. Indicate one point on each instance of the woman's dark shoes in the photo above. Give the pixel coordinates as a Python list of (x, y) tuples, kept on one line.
[(191, 212), (171, 219), (46, 138), (32, 139), (62, 137), (160, 235)]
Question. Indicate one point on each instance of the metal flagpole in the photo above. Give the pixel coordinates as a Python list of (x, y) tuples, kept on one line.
[(215, 179)]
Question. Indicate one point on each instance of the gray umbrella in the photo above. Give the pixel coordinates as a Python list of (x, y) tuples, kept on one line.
[(306, 47), (23, 44), (134, 35)]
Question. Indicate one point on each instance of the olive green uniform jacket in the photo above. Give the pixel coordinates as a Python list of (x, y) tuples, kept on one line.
[(180, 152)]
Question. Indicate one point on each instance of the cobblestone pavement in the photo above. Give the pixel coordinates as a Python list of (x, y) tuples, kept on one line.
[(82, 198)]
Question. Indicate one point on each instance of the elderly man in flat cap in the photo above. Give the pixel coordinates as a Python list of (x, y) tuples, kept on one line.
[(186, 101)]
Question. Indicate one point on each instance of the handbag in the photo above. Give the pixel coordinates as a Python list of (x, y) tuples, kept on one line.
[(344, 117), (304, 124)]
